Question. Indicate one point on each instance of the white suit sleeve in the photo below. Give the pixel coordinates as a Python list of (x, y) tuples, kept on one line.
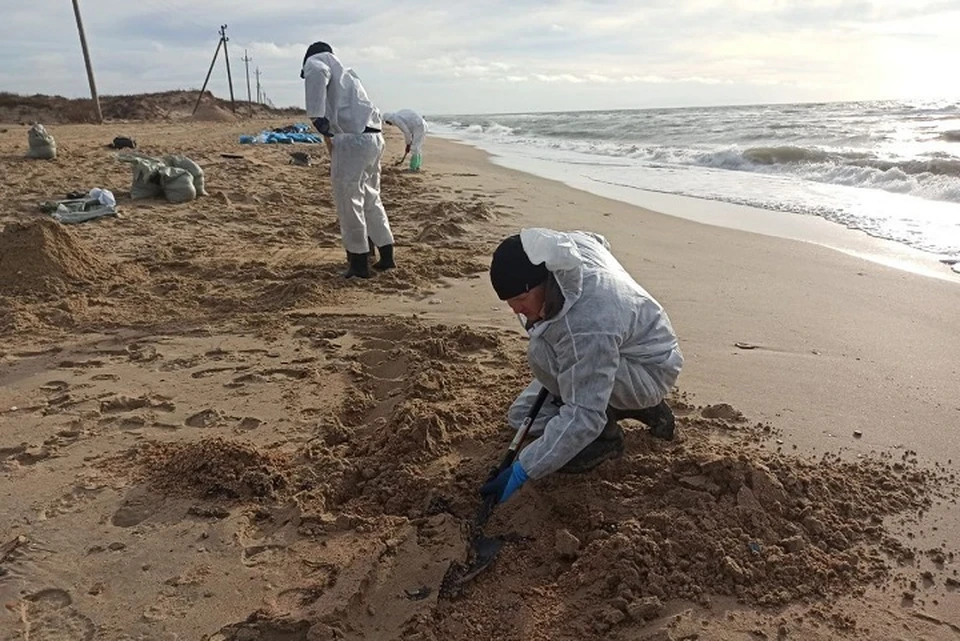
[(402, 126), (316, 76), (587, 366)]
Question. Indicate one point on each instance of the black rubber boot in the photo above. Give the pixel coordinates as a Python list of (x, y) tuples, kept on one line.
[(658, 418), (608, 445), (359, 266), (386, 258)]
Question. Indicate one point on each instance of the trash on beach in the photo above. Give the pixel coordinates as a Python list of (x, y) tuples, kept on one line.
[(123, 142), (857, 434), (41, 144), (300, 158), (97, 203), (742, 345)]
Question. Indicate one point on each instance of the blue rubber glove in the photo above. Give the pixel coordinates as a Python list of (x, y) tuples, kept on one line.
[(505, 484)]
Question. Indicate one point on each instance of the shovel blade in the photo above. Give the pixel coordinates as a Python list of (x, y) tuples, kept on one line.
[(482, 554)]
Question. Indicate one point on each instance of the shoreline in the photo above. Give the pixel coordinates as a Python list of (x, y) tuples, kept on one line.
[(769, 222)]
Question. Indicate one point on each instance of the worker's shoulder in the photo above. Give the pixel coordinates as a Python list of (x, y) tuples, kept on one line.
[(319, 64)]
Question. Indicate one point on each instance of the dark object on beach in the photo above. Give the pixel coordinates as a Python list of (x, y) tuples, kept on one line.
[(76, 195), (418, 594), (857, 434), (745, 345), (122, 142), (300, 158), (236, 156), (8, 548)]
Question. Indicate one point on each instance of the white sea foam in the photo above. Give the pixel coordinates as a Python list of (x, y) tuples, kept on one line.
[(890, 169)]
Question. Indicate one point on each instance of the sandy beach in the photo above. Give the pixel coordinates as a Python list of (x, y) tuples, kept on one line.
[(206, 433)]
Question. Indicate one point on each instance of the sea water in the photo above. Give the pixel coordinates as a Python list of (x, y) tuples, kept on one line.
[(890, 169)]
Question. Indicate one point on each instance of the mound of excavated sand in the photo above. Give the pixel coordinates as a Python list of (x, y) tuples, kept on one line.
[(213, 113), (214, 468), (44, 257)]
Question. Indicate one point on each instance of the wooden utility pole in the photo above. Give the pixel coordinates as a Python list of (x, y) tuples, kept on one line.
[(226, 56), (246, 64), (86, 60), (259, 99), (209, 71)]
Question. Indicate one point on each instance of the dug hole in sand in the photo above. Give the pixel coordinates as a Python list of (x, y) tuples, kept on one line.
[(208, 433)]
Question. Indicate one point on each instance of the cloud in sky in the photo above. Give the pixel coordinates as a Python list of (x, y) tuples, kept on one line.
[(522, 55)]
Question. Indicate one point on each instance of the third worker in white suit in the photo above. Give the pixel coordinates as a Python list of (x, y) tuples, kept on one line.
[(414, 130), (351, 126)]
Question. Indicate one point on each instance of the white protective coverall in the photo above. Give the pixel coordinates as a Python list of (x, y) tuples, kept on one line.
[(335, 93), (610, 344), (412, 125)]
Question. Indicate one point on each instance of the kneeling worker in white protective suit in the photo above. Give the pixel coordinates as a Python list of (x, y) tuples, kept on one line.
[(599, 343), (338, 106), (414, 130)]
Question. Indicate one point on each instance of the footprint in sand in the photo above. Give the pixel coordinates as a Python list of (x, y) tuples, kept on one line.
[(55, 386), (386, 369), (120, 404), (87, 364), (137, 507), (49, 615), (206, 418), (260, 554)]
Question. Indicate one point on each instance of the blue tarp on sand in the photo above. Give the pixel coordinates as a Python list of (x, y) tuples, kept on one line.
[(297, 133)]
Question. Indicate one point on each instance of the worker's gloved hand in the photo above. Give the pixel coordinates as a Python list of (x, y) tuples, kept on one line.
[(505, 484), (322, 125), (407, 150)]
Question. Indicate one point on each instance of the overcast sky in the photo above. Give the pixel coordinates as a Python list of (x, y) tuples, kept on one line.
[(483, 56)]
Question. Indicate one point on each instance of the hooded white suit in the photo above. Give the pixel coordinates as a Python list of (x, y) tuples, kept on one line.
[(335, 93), (412, 125), (610, 344)]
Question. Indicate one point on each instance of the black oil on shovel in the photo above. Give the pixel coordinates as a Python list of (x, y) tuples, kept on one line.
[(484, 549)]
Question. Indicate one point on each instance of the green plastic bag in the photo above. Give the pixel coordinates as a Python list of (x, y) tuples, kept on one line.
[(415, 162)]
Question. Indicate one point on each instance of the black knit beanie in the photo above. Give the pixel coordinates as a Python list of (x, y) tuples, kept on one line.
[(511, 272), (314, 49)]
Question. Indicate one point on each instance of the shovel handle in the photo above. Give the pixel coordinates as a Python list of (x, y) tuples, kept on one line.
[(521, 434)]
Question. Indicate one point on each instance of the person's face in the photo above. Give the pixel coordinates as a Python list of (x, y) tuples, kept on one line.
[(529, 304)]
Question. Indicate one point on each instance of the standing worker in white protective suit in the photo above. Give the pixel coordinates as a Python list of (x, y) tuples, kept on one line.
[(414, 130), (599, 343), (338, 106)]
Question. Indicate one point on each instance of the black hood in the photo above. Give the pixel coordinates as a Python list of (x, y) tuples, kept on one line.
[(314, 49)]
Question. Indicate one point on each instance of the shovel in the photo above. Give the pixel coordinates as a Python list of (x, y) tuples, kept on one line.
[(484, 549)]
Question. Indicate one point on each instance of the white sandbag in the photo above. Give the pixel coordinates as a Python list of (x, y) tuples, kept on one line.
[(41, 144), (177, 184), (182, 162), (146, 179)]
